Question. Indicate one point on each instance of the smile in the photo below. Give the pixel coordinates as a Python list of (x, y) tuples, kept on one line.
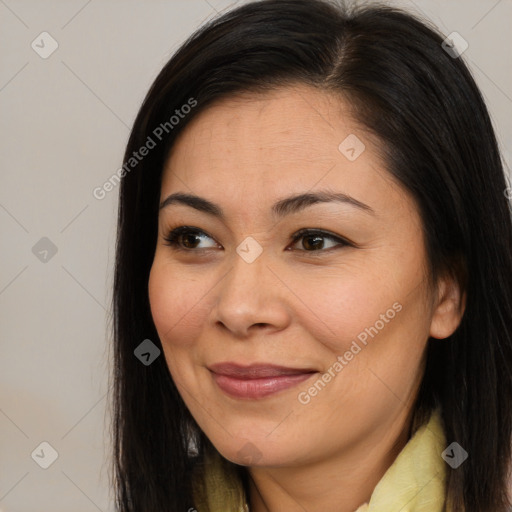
[(256, 381)]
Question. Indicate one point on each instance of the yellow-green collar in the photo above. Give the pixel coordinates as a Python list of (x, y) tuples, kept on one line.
[(415, 482)]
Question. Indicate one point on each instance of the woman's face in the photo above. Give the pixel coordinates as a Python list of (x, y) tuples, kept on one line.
[(288, 347)]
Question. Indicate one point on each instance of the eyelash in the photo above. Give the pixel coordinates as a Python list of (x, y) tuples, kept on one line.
[(172, 239)]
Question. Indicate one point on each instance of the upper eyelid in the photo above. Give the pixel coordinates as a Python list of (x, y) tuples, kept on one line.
[(300, 232), (296, 236)]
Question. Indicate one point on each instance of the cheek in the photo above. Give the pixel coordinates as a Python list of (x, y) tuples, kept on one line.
[(375, 317), (178, 305), (338, 309)]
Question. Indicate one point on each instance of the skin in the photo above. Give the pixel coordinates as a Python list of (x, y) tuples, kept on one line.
[(297, 305)]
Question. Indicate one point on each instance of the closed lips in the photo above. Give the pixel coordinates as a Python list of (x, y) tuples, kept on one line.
[(256, 381), (256, 371)]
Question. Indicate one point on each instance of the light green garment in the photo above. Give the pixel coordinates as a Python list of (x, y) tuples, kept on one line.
[(415, 482)]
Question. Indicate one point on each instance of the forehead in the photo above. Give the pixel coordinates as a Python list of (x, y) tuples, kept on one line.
[(273, 144)]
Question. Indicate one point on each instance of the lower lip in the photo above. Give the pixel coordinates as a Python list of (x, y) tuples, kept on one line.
[(258, 388)]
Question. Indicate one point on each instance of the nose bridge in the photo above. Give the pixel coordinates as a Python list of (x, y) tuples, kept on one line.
[(248, 295), (246, 282)]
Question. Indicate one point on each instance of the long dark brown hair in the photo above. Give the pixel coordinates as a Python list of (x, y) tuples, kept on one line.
[(438, 141)]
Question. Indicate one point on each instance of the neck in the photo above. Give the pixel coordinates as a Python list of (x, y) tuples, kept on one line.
[(341, 482)]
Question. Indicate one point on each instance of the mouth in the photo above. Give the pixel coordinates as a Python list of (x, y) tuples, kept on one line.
[(258, 380)]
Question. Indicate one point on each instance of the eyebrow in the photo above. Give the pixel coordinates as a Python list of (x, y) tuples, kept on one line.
[(286, 206)]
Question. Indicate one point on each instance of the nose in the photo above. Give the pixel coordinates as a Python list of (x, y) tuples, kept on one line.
[(251, 297)]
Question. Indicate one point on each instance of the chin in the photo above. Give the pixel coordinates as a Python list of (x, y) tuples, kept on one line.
[(256, 451)]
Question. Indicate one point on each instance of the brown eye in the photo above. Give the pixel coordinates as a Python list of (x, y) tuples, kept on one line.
[(314, 241), (187, 239)]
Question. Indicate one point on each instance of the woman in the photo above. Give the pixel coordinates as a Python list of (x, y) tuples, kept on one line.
[(313, 300)]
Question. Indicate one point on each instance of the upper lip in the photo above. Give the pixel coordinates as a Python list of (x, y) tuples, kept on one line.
[(255, 371)]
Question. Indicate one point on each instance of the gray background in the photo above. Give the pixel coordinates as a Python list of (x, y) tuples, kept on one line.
[(64, 123)]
